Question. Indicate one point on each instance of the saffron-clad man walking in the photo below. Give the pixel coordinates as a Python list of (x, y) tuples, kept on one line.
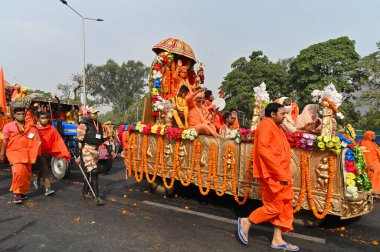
[(272, 169), (22, 145)]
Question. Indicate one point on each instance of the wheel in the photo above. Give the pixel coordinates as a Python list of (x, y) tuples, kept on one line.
[(59, 167)]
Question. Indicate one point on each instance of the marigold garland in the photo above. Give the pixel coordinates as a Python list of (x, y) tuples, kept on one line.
[(162, 159), (329, 190), (132, 148), (200, 181), (331, 104), (195, 153), (214, 169), (304, 167), (160, 144), (233, 174), (140, 177)]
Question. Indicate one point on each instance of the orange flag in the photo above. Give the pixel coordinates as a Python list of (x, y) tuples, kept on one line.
[(3, 101)]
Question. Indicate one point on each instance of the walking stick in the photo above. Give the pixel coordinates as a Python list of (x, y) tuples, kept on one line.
[(85, 178)]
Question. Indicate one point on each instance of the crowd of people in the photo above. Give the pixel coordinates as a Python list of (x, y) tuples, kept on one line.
[(29, 141)]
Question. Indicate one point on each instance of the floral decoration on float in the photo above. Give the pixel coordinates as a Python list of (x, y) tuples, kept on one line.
[(332, 144)]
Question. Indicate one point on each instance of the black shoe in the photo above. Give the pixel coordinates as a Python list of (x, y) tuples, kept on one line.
[(99, 201)]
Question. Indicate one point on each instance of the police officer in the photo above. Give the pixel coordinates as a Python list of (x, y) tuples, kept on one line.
[(90, 136)]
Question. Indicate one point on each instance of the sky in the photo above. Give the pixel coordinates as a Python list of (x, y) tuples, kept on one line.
[(41, 41)]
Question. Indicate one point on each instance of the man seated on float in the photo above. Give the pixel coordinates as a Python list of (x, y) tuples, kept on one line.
[(234, 115), (197, 117), (225, 129), (72, 115), (215, 114), (289, 125), (180, 77), (308, 120), (181, 110)]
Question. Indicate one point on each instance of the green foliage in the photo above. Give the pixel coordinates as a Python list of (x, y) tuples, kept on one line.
[(132, 114), (245, 75), (40, 93), (370, 121), (334, 61), (118, 85)]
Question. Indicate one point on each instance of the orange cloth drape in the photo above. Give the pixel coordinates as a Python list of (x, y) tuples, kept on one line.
[(277, 205), (21, 176), (52, 142), (295, 111), (272, 165), (372, 159)]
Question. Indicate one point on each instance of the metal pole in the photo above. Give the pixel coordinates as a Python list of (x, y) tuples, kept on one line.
[(84, 100), (137, 113)]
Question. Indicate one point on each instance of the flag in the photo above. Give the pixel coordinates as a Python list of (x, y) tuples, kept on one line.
[(3, 101)]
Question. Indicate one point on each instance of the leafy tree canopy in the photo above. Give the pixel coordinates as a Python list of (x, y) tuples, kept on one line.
[(119, 85), (245, 75), (334, 61)]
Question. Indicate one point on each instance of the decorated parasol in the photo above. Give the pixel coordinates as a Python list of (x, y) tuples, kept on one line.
[(175, 46)]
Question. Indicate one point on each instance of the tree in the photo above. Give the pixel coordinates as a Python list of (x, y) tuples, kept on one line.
[(369, 95), (40, 93), (132, 114), (118, 85), (245, 75), (333, 61)]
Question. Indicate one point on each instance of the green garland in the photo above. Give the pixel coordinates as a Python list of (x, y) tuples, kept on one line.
[(362, 180)]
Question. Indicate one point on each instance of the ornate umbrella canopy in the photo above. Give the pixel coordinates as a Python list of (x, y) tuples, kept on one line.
[(175, 46)]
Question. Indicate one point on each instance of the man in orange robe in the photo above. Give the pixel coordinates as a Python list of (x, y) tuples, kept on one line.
[(272, 169), (53, 145), (22, 145), (197, 117), (372, 159), (234, 114), (214, 113)]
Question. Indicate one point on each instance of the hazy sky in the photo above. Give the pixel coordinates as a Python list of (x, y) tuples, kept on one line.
[(41, 40)]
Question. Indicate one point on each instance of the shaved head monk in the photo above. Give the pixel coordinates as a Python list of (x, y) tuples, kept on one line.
[(272, 169)]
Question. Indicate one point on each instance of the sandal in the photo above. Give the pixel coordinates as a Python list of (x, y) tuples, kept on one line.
[(241, 229), (286, 247)]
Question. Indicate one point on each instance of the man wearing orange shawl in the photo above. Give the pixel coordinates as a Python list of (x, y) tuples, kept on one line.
[(22, 144), (51, 144), (197, 117), (214, 113), (234, 115), (272, 169), (372, 159)]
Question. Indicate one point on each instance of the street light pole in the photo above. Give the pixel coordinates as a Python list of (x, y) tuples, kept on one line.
[(84, 94)]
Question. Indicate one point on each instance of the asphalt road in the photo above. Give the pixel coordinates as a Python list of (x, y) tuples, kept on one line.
[(134, 219)]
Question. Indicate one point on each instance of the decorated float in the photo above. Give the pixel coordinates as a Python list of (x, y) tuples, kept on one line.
[(328, 168)]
